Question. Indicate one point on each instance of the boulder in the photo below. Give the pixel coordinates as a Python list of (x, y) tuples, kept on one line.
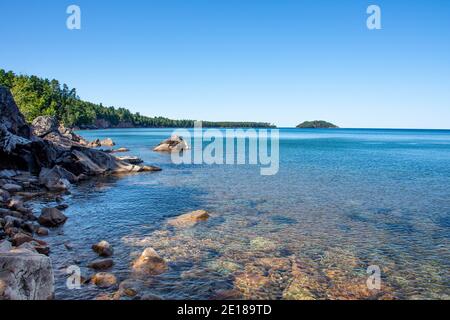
[(173, 144), (44, 125), (103, 249), (120, 150), (104, 280), (131, 159), (21, 238), (5, 246), (25, 275), (42, 232), (101, 264), (94, 144), (149, 263), (57, 178), (107, 143), (4, 195), (10, 187), (51, 218), (189, 219)]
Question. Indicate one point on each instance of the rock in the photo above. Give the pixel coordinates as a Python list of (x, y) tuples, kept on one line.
[(42, 231), (4, 195), (120, 150), (189, 219), (7, 174), (20, 239), (44, 125), (9, 187), (42, 249), (10, 116), (262, 244), (62, 207), (150, 169), (129, 288), (95, 144), (57, 178), (173, 144), (107, 143), (131, 159), (149, 263), (68, 246), (104, 280), (298, 290), (5, 246), (13, 222), (25, 276), (52, 218), (151, 297), (103, 249), (101, 264)]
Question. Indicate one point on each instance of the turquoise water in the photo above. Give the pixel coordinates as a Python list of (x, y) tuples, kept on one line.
[(342, 201)]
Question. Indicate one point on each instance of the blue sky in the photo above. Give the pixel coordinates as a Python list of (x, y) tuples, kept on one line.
[(279, 61)]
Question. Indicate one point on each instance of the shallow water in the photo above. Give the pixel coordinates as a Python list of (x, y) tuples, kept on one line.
[(342, 201)]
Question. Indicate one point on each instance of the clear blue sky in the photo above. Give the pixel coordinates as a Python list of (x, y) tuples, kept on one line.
[(277, 61)]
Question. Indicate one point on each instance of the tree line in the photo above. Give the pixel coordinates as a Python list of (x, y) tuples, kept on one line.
[(36, 96)]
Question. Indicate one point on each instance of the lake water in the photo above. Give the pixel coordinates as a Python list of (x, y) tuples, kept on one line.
[(343, 200)]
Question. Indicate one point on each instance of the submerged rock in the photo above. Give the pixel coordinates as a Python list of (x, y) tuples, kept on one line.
[(149, 263), (104, 280), (189, 219), (103, 249), (25, 276), (173, 144), (101, 264), (51, 218)]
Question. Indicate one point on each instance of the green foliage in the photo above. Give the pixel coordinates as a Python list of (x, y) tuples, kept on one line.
[(37, 97), (317, 124)]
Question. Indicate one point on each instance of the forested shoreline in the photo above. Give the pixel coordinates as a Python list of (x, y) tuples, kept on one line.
[(37, 96)]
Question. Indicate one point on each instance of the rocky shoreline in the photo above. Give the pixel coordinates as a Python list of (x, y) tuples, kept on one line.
[(44, 159)]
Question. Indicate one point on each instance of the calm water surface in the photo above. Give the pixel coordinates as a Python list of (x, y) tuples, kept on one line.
[(342, 201)]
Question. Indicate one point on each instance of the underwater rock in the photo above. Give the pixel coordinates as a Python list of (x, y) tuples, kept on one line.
[(104, 280), (189, 219), (101, 264), (149, 263)]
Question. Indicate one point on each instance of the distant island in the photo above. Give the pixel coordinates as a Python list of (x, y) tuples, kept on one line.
[(43, 97), (317, 124)]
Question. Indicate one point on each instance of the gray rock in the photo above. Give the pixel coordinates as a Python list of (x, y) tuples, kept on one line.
[(51, 218), (5, 246), (57, 178), (44, 125), (25, 276), (12, 187)]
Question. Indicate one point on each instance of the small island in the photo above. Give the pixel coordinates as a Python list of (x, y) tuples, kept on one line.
[(317, 124)]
